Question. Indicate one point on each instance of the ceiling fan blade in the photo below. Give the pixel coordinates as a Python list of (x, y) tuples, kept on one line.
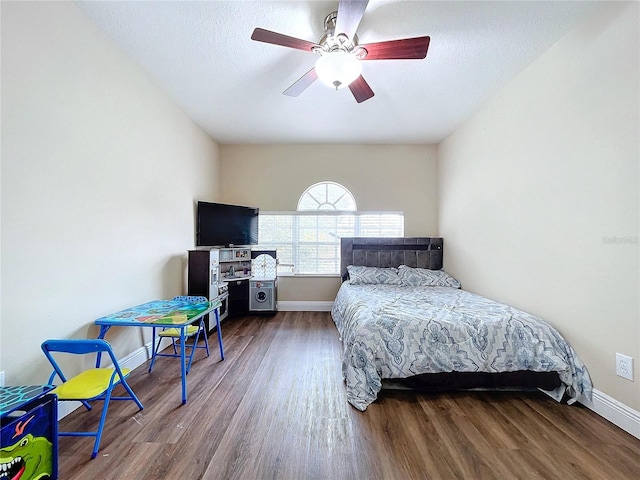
[(361, 89), (407, 48), (302, 83), (275, 38), (349, 15)]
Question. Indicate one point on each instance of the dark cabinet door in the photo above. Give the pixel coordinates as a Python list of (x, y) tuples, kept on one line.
[(238, 297), (198, 273)]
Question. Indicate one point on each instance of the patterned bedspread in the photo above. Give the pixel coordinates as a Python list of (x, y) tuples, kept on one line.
[(393, 331)]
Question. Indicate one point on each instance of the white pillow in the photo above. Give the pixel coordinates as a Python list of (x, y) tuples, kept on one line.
[(359, 275), (421, 277)]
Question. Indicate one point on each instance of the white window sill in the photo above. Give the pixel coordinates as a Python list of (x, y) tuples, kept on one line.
[(309, 275)]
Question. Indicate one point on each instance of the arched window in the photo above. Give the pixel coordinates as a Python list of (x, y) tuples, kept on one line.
[(327, 196), (308, 240)]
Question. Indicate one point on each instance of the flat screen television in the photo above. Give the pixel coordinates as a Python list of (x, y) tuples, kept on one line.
[(218, 224)]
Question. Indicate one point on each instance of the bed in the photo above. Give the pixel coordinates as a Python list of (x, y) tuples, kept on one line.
[(401, 318)]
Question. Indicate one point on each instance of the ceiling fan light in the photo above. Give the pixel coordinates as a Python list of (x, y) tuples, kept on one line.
[(338, 69)]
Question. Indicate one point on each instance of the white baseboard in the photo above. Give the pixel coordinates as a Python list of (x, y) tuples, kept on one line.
[(65, 408), (302, 306), (616, 412), (137, 357)]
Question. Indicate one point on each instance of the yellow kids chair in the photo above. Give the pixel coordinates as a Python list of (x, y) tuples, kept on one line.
[(90, 385), (192, 331)]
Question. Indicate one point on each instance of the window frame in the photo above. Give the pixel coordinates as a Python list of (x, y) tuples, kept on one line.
[(309, 193), (295, 242)]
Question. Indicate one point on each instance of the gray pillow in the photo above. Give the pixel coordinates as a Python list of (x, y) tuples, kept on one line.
[(359, 275), (421, 277)]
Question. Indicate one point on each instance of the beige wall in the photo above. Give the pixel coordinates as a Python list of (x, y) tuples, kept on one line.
[(539, 195), (99, 175), (381, 177)]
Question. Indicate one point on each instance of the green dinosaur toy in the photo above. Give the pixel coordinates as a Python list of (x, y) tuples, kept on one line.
[(27, 459)]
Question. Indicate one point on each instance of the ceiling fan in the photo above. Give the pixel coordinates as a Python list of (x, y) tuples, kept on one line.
[(340, 59)]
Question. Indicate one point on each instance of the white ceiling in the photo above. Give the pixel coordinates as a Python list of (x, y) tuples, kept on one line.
[(201, 54)]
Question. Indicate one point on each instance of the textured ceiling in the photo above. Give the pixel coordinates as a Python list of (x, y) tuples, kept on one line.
[(201, 54)]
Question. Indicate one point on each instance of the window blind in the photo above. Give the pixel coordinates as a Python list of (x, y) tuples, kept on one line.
[(308, 242)]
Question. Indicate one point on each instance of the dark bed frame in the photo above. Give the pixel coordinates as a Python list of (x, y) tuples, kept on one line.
[(427, 252), (417, 252)]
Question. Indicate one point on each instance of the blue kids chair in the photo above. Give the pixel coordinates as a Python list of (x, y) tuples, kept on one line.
[(89, 385), (192, 331)]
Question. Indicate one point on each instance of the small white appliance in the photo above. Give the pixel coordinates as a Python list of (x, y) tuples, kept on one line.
[(262, 295)]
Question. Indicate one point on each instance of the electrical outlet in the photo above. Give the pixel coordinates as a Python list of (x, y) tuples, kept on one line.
[(624, 366)]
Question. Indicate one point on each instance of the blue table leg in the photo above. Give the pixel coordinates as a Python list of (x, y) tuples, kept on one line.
[(183, 367), (219, 334), (103, 331)]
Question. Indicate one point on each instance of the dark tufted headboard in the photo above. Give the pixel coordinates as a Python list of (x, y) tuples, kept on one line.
[(417, 252)]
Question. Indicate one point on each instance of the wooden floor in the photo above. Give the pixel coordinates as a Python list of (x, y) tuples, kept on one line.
[(276, 408)]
